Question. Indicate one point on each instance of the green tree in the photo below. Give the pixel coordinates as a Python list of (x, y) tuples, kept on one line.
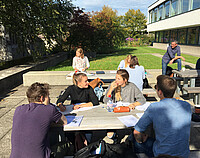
[(108, 31), (134, 22), (28, 19)]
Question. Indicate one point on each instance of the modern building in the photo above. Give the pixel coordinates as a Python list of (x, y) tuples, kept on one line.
[(175, 20)]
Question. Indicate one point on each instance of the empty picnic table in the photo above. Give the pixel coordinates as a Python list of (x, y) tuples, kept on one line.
[(188, 75)]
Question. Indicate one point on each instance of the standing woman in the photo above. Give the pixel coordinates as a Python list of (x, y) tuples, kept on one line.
[(125, 63), (136, 72), (80, 62), (122, 90)]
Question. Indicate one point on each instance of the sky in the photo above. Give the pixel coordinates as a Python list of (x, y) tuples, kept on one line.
[(122, 6)]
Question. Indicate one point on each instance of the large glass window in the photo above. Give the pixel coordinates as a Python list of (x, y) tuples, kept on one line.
[(182, 36), (155, 14), (167, 9), (166, 36), (184, 5), (174, 7), (160, 12), (196, 4), (192, 35), (161, 37), (173, 35)]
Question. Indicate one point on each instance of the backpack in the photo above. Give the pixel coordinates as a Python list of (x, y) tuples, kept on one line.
[(122, 150)]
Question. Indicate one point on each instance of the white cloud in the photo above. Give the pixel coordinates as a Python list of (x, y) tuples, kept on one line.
[(122, 6)]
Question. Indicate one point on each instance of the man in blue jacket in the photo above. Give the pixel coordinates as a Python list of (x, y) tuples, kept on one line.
[(170, 58)]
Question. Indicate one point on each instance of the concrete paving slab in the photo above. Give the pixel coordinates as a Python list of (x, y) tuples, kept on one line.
[(5, 145)]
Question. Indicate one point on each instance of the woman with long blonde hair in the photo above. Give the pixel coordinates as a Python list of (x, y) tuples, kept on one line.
[(80, 61), (125, 63)]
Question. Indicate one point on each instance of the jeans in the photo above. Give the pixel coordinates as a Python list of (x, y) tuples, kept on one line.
[(145, 147), (164, 65)]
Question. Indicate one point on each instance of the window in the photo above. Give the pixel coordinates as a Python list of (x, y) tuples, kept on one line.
[(174, 7), (184, 5), (157, 37), (161, 37), (196, 4), (160, 12), (150, 16), (173, 35), (182, 36), (167, 9), (155, 14), (166, 36), (192, 35)]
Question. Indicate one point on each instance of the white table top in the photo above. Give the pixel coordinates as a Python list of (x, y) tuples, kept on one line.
[(99, 118)]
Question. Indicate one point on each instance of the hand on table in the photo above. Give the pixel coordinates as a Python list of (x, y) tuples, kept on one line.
[(132, 106), (62, 108), (77, 107)]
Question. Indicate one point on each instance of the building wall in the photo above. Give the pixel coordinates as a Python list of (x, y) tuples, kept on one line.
[(188, 19)]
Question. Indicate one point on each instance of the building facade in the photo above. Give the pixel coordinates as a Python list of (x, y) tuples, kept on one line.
[(175, 20)]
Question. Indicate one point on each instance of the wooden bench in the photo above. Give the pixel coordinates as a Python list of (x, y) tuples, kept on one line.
[(194, 94)]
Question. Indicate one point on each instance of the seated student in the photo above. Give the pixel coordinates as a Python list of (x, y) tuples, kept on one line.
[(198, 64), (31, 123), (122, 90), (171, 119), (80, 92), (125, 63), (80, 62), (136, 72)]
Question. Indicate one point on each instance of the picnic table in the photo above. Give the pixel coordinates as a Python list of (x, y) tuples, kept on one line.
[(188, 75), (98, 118)]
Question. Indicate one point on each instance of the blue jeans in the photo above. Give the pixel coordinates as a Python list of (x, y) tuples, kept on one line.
[(164, 65), (145, 147)]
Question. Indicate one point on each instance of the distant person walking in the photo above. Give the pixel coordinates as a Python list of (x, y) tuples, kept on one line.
[(170, 58), (80, 62), (125, 63)]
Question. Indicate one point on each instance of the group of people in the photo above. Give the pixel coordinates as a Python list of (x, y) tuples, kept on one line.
[(170, 117)]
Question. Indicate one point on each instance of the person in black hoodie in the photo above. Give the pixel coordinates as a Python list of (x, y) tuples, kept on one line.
[(80, 92)]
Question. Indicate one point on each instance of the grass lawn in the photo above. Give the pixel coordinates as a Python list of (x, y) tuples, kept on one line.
[(111, 61)]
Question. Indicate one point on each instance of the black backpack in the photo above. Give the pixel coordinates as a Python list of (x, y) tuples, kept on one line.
[(123, 150)]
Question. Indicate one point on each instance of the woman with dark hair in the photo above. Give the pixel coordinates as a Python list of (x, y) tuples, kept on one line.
[(136, 72), (122, 90), (80, 92)]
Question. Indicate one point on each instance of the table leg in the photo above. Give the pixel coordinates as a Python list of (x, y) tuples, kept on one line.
[(185, 84), (192, 82), (195, 99), (198, 98)]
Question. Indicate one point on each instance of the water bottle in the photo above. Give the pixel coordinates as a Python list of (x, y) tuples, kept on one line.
[(110, 104)]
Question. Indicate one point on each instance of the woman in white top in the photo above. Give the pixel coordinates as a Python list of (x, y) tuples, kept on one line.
[(136, 72), (80, 62), (125, 63)]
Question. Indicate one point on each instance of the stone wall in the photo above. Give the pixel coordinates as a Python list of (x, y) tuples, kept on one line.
[(12, 77)]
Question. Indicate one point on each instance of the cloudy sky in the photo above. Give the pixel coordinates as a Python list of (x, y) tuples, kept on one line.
[(122, 6)]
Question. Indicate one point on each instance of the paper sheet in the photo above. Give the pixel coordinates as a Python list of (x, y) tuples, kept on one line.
[(139, 115), (74, 121), (128, 121), (143, 107)]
